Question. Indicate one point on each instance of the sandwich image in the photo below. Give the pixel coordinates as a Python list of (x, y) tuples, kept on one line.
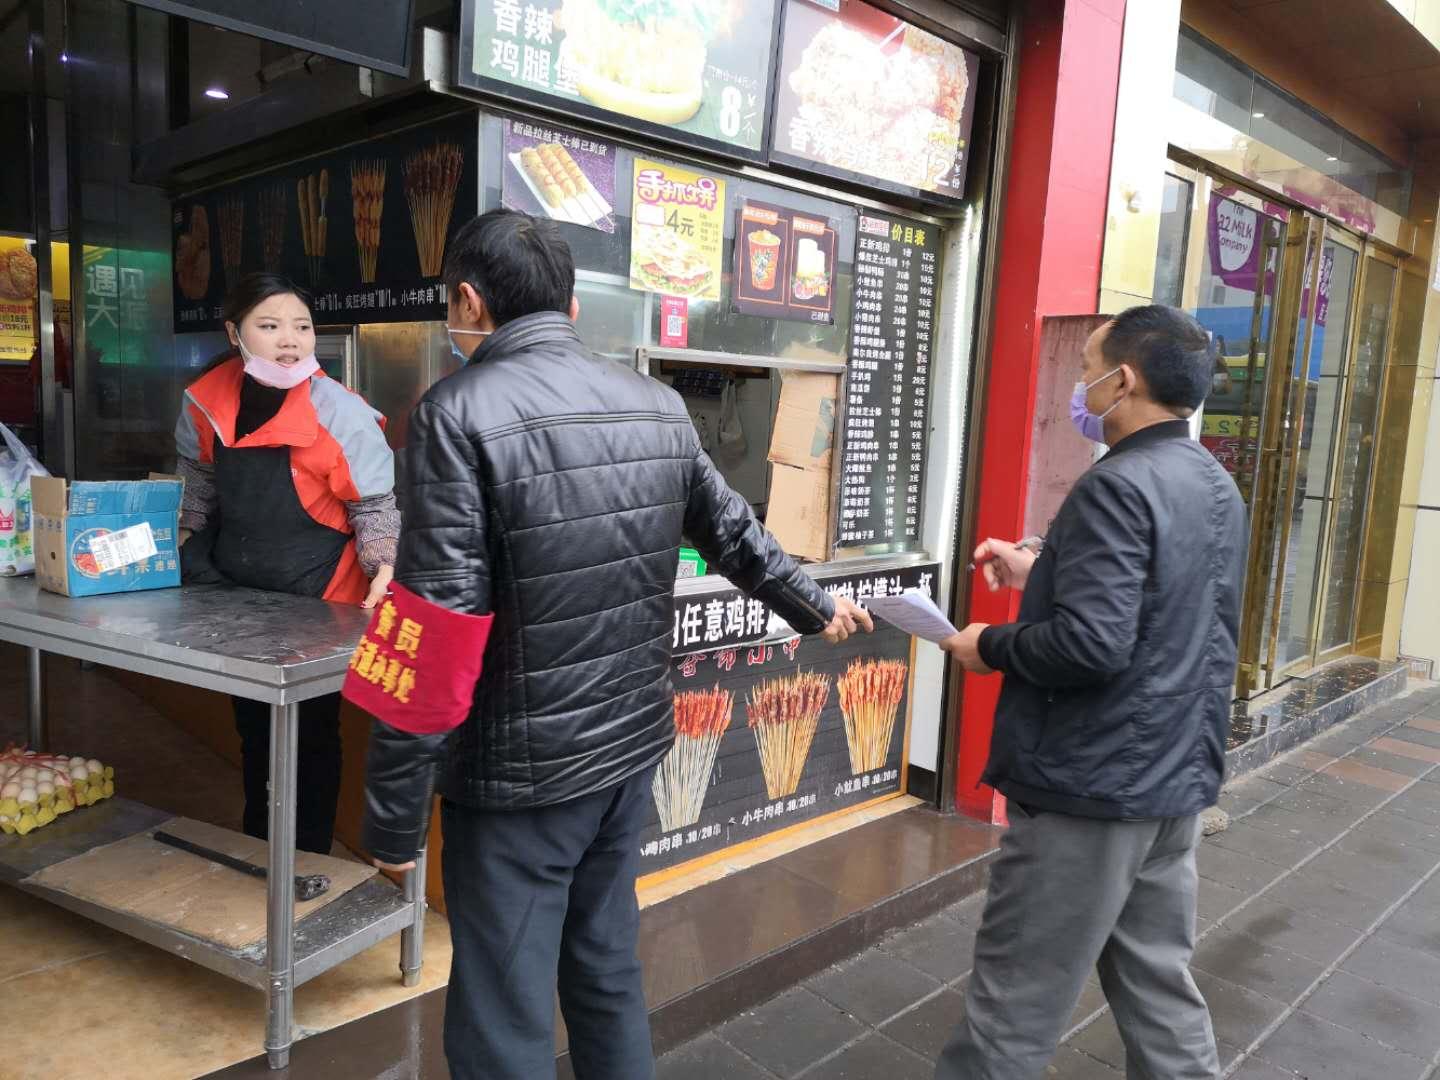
[(666, 263), (642, 58), (811, 277)]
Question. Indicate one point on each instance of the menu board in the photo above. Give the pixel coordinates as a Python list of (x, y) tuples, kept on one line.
[(865, 97), (365, 228), (677, 233), (694, 71), (771, 729), (784, 264), (887, 396)]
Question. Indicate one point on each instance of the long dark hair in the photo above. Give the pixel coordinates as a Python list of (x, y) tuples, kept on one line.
[(254, 289)]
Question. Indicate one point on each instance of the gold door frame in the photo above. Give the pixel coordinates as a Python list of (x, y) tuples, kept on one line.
[(1283, 437), (1368, 255)]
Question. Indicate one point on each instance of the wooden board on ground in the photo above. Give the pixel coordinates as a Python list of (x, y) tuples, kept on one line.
[(171, 887)]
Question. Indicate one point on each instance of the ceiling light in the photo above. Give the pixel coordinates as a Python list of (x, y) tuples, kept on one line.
[(1332, 157), (1258, 115), (217, 93)]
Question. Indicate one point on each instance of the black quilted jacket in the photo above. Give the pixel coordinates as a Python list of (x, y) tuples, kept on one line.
[(1121, 667), (550, 488)]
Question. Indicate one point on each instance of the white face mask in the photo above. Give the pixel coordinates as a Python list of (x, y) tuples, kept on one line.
[(278, 376), (460, 355)]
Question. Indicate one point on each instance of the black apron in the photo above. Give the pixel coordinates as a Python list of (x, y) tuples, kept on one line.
[(262, 537)]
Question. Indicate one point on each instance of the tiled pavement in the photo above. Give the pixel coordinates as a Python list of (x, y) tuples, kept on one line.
[(1319, 952)]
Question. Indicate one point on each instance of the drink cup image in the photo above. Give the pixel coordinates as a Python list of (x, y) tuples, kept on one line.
[(764, 259)]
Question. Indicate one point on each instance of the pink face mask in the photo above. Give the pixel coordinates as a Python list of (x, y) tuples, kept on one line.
[(279, 376)]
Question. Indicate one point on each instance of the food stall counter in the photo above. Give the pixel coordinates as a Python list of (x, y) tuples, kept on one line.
[(264, 646)]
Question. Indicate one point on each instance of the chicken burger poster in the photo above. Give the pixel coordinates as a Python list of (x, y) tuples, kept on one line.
[(697, 71), (677, 231)]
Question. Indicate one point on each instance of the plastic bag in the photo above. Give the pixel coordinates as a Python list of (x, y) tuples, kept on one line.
[(732, 433), (17, 466)]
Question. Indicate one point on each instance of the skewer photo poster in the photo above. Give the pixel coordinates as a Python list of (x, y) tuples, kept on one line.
[(364, 228), (567, 177), (772, 730)]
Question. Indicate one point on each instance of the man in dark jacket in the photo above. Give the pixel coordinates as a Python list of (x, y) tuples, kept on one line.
[(548, 491), (1110, 731)]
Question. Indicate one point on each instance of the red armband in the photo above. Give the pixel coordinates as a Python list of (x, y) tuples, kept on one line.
[(416, 666)]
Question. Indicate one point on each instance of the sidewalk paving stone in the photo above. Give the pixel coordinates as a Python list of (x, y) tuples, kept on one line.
[(1414, 926), (1399, 829), (874, 987), (934, 947), (873, 1058), (1358, 869), (1378, 1012), (926, 1028), (1275, 848), (1234, 868), (1255, 965), (1391, 965), (1295, 826), (1238, 1015), (1382, 759), (1285, 928), (1309, 891), (813, 1027), (1318, 1050), (707, 1058)]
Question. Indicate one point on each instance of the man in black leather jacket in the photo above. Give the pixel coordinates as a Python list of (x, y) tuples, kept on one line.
[(548, 491), (1110, 731)]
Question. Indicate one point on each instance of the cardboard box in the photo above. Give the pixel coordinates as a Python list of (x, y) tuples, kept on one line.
[(106, 537), (799, 513), (802, 458), (804, 434)]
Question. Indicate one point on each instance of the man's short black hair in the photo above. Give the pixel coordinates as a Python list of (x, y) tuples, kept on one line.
[(1168, 347), (518, 264)]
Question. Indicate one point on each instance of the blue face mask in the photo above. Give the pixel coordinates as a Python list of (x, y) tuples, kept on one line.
[(1091, 425), (455, 351)]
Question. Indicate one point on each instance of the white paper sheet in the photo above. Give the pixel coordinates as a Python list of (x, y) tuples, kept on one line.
[(914, 612), (123, 547)]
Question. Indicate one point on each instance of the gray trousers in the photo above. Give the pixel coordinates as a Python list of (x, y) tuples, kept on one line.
[(1069, 895)]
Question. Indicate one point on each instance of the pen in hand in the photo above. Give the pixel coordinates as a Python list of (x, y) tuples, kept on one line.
[(1030, 543)]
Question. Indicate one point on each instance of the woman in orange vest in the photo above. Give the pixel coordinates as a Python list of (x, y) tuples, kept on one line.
[(289, 486)]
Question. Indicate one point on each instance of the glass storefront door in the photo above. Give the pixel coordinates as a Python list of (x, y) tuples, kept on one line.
[(1300, 313)]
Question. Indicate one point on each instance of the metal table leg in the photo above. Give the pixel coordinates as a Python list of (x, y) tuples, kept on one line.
[(412, 938), (280, 914), (36, 674)]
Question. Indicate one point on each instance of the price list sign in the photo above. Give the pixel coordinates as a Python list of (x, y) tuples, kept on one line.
[(887, 399)]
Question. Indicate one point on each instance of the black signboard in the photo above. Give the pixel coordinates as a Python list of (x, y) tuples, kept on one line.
[(697, 72), (371, 33), (775, 731), (887, 383), (784, 264), (865, 97), (365, 228)]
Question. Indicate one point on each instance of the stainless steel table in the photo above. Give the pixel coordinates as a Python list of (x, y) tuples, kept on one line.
[(264, 646)]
